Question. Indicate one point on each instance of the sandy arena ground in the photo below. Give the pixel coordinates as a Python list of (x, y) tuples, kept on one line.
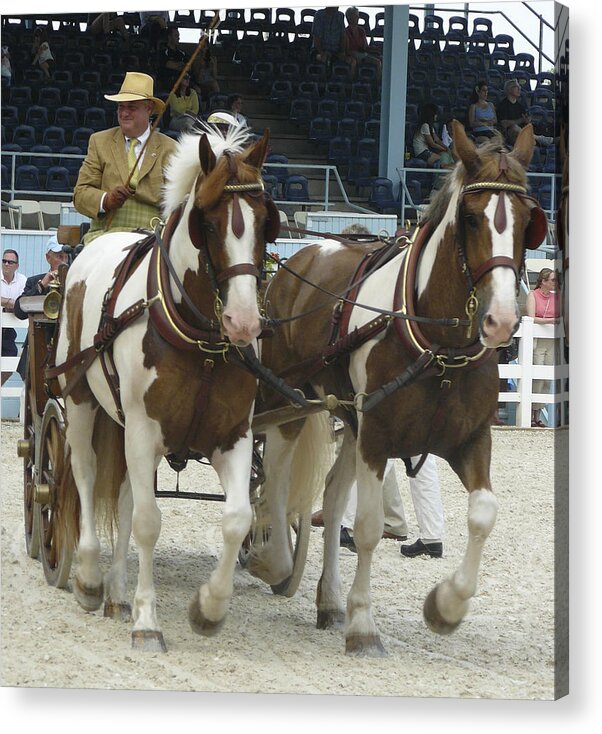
[(504, 648)]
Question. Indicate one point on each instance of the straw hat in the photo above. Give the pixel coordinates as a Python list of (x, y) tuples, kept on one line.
[(137, 86)]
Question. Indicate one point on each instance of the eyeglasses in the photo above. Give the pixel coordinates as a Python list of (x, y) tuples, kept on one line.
[(9, 262)]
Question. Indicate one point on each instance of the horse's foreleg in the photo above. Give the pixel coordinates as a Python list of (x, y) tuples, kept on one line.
[(331, 611), (88, 585), (361, 634), (116, 603), (447, 604), (272, 560), (140, 437), (209, 606)]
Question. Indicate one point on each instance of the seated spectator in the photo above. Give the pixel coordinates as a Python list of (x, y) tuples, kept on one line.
[(482, 119), (512, 112), (11, 287), (183, 106), (203, 75), (173, 60), (41, 54), (427, 144), (106, 24), (153, 24), (328, 35), (7, 71), (235, 107), (356, 43)]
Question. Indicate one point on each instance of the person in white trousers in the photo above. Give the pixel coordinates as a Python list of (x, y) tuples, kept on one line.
[(426, 497)]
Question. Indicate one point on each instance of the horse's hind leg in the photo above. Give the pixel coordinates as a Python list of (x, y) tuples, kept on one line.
[(88, 585), (447, 604), (116, 603), (331, 610), (209, 606)]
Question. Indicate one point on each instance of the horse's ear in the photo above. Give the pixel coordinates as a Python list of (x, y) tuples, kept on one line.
[(524, 145), (537, 229), (256, 155), (206, 154), (465, 149)]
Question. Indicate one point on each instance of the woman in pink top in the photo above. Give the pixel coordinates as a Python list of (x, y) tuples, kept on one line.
[(543, 306)]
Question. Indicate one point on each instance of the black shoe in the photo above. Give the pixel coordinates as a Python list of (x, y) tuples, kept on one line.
[(434, 550), (346, 541)]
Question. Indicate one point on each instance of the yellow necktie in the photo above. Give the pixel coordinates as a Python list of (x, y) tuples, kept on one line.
[(132, 166)]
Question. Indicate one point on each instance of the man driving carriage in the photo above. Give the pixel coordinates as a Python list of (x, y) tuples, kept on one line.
[(107, 191)]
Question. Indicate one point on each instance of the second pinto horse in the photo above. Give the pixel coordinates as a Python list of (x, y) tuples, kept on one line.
[(420, 376)]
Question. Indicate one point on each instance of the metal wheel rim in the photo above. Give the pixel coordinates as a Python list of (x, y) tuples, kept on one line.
[(31, 517), (55, 552)]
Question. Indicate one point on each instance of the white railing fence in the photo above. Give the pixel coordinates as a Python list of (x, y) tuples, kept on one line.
[(520, 374)]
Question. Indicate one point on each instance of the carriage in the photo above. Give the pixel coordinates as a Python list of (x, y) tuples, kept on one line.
[(207, 261)]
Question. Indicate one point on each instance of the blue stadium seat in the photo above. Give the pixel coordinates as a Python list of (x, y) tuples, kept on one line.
[(433, 24), (382, 196), (355, 108), (505, 43), (289, 71), (42, 163), (348, 127), (316, 73), (95, 118), (260, 20), (309, 89), (372, 129), (37, 117), (306, 20), (458, 24), (362, 92), (482, 25), (320, 130), (296, 188), (80, 137), (49, 97), (543, 98), (339, 151), (57, 179), (20, 97), (278, 171), (54, 136), (328, 108), (66, 117), (341, 72), (25, 136), (281, 91), (284, 21), (301, 110), (10, 118), (525, 62), (367, 148), (262, 74), (7, 160), (359, 172), (366, 73), (71, 164), (27, 178), (79, 99), (500, 60)]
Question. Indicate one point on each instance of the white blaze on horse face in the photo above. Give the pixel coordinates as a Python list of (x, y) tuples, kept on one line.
[(501, 319), (427, 259), (241, 319)]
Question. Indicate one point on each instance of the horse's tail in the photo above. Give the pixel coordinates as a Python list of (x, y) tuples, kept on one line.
[(109, 447), (313, 457)]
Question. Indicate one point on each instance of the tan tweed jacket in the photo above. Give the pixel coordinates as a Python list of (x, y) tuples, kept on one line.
[(105, 167)]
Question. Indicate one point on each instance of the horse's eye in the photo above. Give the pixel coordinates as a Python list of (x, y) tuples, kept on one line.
[(471, 220)]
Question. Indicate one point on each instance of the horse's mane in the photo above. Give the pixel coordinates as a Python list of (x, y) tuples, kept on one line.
[(184, 165), (458, 177)]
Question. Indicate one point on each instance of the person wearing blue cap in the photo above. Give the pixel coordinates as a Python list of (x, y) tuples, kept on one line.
[(38, 285)]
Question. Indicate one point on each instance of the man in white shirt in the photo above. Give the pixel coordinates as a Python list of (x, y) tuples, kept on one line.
[(12, 286)]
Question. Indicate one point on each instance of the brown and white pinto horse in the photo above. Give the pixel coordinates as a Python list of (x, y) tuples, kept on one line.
[(465, 260), (176, 389)]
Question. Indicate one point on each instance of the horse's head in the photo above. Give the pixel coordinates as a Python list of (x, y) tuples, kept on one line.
[(230, 221), (496, 221)]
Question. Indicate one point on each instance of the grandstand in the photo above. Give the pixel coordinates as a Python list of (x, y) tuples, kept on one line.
[(318, 116)]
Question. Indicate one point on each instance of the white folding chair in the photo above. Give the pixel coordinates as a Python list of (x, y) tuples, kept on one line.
[(29, 209)]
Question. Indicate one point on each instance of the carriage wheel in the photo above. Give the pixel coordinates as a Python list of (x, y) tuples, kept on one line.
[(56, 551), (26, 450)]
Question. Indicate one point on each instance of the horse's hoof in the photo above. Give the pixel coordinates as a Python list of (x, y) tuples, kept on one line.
[(281, 589), (330, 619), (366, 645), (148, 641), (89, 598), (199, 622), (120, 611), (432, 617)]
